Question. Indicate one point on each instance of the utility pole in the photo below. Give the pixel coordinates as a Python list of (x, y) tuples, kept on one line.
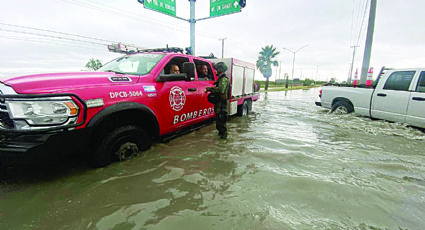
[(368, 46), (222, 46), (352, 63)]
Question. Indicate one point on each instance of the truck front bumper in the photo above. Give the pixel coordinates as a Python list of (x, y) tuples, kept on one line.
[(25, 149), (41, 143)]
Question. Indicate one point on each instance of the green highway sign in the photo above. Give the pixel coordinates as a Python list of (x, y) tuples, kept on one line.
[(162, 6), (222, 7)]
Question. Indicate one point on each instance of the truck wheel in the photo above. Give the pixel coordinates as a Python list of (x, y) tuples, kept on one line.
[(249, 106), (342, 107), (243, 109), (121, 144), (3, 171)]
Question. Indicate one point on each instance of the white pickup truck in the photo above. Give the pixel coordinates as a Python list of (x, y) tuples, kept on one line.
[(398, 95)]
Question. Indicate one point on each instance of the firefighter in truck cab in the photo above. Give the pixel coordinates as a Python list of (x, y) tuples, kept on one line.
[(219, 96)]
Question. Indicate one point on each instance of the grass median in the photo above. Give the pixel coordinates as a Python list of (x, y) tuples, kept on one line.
[(282, 88)]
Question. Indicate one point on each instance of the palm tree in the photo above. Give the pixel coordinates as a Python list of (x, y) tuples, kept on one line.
[(265, 62)]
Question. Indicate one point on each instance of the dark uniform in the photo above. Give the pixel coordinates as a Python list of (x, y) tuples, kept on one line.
[(205, 77), (221, 94)]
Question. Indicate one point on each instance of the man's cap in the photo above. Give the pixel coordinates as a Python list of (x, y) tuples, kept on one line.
[(221, 67)]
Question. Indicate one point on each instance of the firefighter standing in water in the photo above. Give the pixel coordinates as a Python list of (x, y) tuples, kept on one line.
[(219, 96)]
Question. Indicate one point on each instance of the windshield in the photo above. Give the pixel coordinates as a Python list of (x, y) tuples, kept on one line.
[(140, 64)]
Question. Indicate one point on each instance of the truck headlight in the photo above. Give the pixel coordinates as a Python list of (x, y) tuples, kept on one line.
[(48, 111)]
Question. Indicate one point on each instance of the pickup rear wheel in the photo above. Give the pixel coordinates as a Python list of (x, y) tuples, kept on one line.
[(342, 107), (122, 143), (244, 109)]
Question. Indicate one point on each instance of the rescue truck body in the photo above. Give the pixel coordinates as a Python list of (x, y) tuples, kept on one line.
[(243, 93), (113, 113)]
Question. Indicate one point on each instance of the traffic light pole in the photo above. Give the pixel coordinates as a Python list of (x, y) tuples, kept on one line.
[(192, 22)]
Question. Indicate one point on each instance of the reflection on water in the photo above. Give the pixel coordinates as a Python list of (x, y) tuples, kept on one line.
[(289, 165)]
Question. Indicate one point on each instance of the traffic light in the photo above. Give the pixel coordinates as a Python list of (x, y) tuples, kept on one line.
[(242, 3)]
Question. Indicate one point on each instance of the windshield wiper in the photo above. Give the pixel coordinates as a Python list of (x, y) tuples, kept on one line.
[(114, 71)]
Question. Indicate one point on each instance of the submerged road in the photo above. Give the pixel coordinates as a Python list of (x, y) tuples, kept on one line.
[(289, 165)]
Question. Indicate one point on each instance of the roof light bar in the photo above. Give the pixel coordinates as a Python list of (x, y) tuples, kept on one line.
[(127, 49), (123, 48)]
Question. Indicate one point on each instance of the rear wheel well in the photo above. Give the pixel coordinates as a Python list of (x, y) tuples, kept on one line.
[(342, 107), (338, 99), (245, 108), (249, 105), (125, 132), (127, 117)]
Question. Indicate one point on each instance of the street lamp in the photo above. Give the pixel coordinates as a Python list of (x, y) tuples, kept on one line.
[(222, 46), (293, 62)]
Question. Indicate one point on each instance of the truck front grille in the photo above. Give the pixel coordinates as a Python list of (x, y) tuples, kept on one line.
[(5, 121)]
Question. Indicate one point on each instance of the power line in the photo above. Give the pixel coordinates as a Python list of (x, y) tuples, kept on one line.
[(76, 38), (352, 24), (51, 36), (357, 21), (57, 32), (120, 12), (361, 26), (51, 42)]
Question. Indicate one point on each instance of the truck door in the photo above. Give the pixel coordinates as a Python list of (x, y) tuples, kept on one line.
[(205, 78), (416, 109), (390, 102), (178, 99)]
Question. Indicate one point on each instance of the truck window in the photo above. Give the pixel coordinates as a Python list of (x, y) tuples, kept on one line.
[(421, 83), (140, 64), (175, 61), (200, 70), (399, 80)]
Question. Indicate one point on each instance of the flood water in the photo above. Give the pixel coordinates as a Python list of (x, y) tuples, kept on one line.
[(289, 165)]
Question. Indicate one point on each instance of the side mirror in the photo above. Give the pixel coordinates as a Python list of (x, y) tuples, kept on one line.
[(189, 69)]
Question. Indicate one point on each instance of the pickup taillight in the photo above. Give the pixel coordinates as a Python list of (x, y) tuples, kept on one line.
[(320, 93)]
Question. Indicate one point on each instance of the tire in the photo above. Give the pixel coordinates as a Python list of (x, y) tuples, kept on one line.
[(3, 171), (342, 107), (122, 143), (249, 106), (243, 109)]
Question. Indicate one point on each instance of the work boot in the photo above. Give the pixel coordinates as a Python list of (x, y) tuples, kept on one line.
[(223, 136)]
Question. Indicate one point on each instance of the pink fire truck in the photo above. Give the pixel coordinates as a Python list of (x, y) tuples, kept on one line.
[(113, 113)]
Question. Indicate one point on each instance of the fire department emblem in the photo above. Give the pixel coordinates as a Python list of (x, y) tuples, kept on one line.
[(177, 98)]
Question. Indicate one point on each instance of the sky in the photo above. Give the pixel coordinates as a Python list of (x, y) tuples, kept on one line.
[(62, 35)]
